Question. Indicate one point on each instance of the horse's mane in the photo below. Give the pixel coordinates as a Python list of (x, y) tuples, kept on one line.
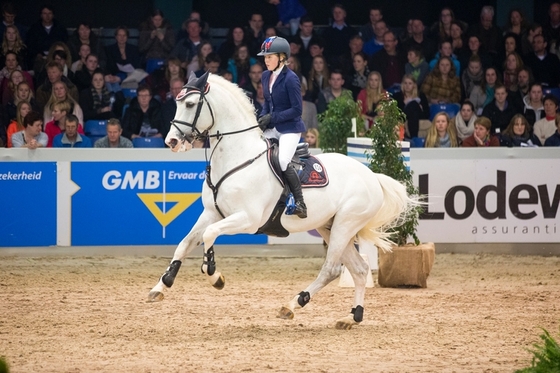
[(237, 94)]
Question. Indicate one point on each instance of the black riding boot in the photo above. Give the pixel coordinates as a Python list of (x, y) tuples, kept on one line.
[(295, 187)]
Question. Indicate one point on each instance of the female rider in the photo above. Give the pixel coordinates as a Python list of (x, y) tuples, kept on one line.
[(281, 113)]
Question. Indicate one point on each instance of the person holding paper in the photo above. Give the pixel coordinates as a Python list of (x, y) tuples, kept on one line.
[(144, 117), (122, 56)]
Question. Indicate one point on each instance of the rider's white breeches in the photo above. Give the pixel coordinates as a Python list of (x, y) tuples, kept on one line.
[(287, 145)]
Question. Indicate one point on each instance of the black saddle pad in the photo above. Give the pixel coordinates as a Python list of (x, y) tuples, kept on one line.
[(313, 174)]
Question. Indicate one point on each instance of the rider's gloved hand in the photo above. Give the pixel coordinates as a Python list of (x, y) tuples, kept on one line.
[(264, 121)]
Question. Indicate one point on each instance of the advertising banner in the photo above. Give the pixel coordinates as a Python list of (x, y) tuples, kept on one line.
[(28, 212), (489, 200), (139, 203)]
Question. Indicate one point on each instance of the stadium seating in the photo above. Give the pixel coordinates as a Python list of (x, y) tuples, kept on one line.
[(95, 128), (417, 142), (124, 109), (154, 64), (148, 142), (129, 92), (552, 91), (450, 109)]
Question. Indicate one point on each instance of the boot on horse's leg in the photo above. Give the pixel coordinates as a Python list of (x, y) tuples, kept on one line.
[(291, 177)]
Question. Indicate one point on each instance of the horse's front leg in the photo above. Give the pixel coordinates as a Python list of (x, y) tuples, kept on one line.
[(237, 223), (191, 240)]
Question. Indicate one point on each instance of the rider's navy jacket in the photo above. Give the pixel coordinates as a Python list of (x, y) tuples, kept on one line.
[(285, 101)]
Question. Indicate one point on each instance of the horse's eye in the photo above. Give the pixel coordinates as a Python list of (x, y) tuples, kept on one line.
[(189, 105)]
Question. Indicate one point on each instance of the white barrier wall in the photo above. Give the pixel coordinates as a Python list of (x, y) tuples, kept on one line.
[(151, 196)]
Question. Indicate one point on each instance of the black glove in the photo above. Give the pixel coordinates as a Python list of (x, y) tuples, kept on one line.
[(264, 121)]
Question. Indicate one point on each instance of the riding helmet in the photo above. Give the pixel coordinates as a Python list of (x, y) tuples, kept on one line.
[(273, 45)]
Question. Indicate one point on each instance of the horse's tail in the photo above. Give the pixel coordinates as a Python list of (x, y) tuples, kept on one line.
[(396, 206)]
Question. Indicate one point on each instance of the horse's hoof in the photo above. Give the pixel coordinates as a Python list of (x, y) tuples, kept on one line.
[(285, 313), (346, 323), (155, 296), (220, 283)]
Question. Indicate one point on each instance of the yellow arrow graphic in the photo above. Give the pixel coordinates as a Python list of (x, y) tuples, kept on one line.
[(183, 202)]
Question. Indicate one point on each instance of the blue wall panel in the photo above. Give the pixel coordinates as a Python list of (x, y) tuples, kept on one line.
[(28, 209)]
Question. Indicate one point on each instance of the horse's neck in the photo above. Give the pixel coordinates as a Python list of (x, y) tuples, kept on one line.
[(234, 150)]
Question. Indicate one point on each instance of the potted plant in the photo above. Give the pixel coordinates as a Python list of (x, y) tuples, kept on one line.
[(335, 124), (410, 263)]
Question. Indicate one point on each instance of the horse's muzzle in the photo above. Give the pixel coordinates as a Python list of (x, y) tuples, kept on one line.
[(172, 143), (177, 145)]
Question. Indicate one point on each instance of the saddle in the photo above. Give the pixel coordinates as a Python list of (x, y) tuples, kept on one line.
[(311, 172)]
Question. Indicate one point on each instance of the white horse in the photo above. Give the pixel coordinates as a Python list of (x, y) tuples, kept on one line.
[(241, 192)]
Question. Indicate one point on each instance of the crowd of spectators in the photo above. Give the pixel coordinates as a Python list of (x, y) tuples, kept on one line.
[(506, 81)]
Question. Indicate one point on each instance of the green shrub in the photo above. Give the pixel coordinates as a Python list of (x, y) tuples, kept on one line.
[(546, 356), (4, 368), (386, 158), (335, 124)]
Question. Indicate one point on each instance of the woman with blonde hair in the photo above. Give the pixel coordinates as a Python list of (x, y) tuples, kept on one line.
[(441, 133), (17, 124), (57, 125), (370, 96), (317, 79), (312, 137), (23, 92), (12, 42), (413, 103), (59, 94)]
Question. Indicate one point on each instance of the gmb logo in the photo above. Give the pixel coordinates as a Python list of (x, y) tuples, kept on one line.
[(164, 206)]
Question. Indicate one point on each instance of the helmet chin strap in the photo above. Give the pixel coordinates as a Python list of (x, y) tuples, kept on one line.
[(279, 64)]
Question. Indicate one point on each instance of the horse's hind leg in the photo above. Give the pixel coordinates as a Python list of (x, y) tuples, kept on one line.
[(331, 270), (191, 240), (359, 270)]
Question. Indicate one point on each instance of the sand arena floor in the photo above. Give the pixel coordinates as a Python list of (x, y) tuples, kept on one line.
[(89, 314)]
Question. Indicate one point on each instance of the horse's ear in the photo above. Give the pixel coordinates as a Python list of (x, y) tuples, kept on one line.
[(198, 83), (192, 79), (201, 83)]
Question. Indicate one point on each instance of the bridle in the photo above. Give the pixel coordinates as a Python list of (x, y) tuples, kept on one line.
[(204, 135), (187, 90)]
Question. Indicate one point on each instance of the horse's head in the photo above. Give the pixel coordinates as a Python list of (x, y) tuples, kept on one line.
[(194, 116)]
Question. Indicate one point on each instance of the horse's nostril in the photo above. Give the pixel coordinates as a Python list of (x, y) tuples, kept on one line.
[(172, 143)]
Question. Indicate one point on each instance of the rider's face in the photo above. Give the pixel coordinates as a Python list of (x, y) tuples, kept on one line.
[(271, 61)]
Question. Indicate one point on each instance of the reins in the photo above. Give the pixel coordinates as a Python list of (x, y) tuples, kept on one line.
[(205, 135)]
